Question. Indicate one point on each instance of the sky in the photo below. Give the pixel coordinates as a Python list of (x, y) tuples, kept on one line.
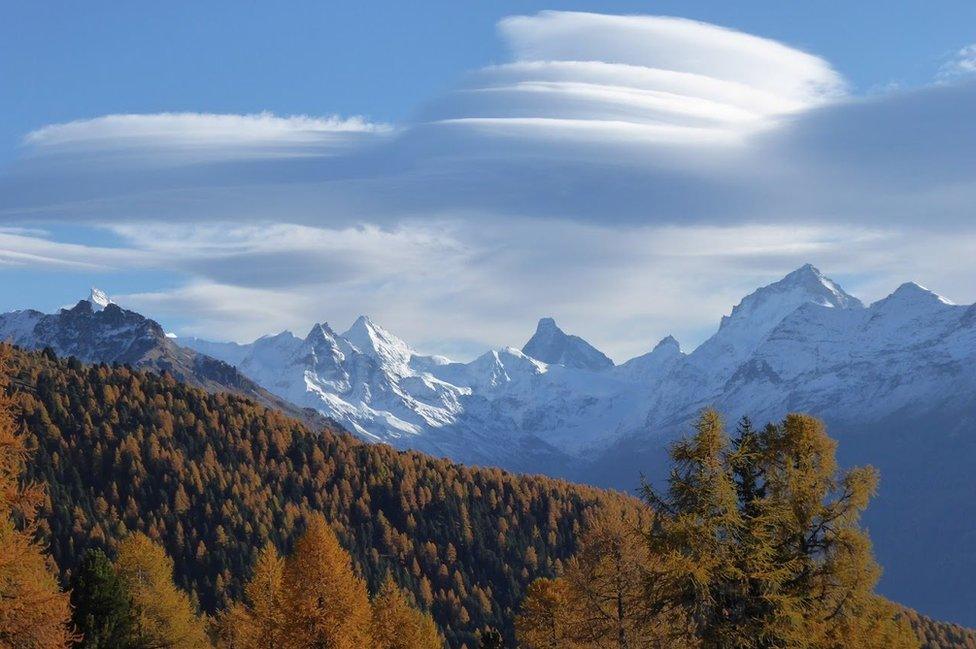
[(459, 170)]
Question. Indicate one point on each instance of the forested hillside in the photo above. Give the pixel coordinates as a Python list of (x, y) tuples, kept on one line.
[(940, 635), (213, 477)]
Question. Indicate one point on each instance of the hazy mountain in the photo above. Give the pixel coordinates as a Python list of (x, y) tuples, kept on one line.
[(550, 345)]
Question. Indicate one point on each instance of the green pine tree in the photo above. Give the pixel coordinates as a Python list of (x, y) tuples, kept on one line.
[(101, 606)]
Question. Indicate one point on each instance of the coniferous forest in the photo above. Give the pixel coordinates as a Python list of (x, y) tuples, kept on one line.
[(140, 512)]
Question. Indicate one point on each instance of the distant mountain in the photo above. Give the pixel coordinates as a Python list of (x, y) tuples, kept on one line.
[(214, 479), (894, 381), (550, 345), (96, 330), (559, 395)]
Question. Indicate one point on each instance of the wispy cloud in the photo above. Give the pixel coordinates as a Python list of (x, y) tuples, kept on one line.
[(193, 130), (631, 175), (961, 63)]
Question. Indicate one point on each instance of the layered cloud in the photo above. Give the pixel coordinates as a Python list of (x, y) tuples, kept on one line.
[(644, 78), (631, 174)]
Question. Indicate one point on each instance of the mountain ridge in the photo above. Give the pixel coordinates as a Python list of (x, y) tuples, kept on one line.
[(892, 379)]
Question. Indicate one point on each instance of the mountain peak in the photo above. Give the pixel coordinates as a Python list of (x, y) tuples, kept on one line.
[(547, 324), (822, 289), (911, 293), (321, 331), (375, 341), (775, 301), (551, 345), (667, 343), (99, 299), (752, 319)]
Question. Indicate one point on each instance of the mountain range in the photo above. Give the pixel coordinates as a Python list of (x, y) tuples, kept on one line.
[(893, 380), (96, 330)]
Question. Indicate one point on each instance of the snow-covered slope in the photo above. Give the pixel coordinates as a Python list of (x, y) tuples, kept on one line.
[(894, 380), (800, 342)]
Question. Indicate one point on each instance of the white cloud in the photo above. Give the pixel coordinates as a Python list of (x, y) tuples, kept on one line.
[(631, 175), (33, 248), (645, 79), (196, 129), (675, 44), (961, 63)]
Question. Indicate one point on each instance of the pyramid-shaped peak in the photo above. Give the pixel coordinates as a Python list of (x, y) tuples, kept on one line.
[(551, 345), (320, 331), (809, 277), (379, 343), (98, 298), (547, 324), (668, 343), (771, 303), (366, 330)]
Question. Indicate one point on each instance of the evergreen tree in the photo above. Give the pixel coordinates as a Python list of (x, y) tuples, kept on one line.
[(102, 609), (326, 603), (759, 542), (163, 613), (399, 625), (34, 613)]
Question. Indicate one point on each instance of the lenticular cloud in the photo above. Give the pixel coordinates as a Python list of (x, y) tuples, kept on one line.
[(645, 78)]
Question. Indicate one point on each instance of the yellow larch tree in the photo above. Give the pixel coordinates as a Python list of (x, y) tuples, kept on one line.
[(164, 615), (326, 602), (258, 622), (397, 624), (547, 619), (34, 613), (607, 601)]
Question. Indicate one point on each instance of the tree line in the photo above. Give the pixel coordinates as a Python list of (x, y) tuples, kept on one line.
[(755, 544), (284, 537), (213, 478)]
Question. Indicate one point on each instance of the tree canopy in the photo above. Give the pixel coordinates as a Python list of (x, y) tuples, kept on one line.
[(758, 542)]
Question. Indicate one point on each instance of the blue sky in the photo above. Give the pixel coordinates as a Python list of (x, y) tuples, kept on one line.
[(67, 60), (413, 176)]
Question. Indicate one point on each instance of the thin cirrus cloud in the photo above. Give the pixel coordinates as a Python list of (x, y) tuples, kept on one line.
[(629, 174)]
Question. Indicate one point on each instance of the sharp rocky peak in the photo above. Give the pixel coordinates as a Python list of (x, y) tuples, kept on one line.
[(775, 301), (761, 311), (375, 341), (551, 345), (99, 299)]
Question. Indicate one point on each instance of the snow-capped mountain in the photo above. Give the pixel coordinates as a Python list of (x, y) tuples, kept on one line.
[(550, 345), (894, 380), (96, 330), (799, 343)]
